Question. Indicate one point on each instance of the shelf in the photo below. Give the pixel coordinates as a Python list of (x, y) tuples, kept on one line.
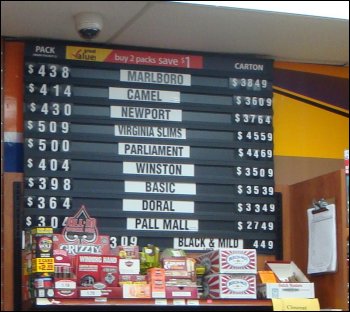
[(153, 304)]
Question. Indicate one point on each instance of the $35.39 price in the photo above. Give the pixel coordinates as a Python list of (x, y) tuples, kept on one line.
[(255, 190)]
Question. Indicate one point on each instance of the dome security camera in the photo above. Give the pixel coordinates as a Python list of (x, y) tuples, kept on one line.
[(88, 25)]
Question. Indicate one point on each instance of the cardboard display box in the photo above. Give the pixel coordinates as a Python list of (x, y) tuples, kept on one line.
[(108, 292), (136, 291), (181, 292), (230, 260), (230, 286), (92, 269), (66, 288), (292, 282)]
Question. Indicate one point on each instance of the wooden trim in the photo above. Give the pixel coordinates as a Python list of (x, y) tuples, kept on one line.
[(12, 101)]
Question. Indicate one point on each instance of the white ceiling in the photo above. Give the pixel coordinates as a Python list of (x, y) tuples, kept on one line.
[(163, 24)]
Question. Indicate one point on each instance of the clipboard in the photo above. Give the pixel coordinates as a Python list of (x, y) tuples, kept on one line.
[(322, 250)]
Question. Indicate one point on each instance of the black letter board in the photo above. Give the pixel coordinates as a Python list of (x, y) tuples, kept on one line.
[(170, 148)]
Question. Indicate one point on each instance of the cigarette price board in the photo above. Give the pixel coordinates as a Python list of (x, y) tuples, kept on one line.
[(164, 147)]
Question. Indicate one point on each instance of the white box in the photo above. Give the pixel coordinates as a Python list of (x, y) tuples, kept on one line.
[(229, 260), (230, 286), (293, 282), (286, 290), (129, 266)]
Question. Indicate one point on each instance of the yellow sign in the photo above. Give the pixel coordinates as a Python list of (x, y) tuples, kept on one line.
[(87, 54), (296, 304), (43, 265)]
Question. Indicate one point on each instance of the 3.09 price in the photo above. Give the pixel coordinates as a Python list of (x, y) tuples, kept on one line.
[(122, 241)]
